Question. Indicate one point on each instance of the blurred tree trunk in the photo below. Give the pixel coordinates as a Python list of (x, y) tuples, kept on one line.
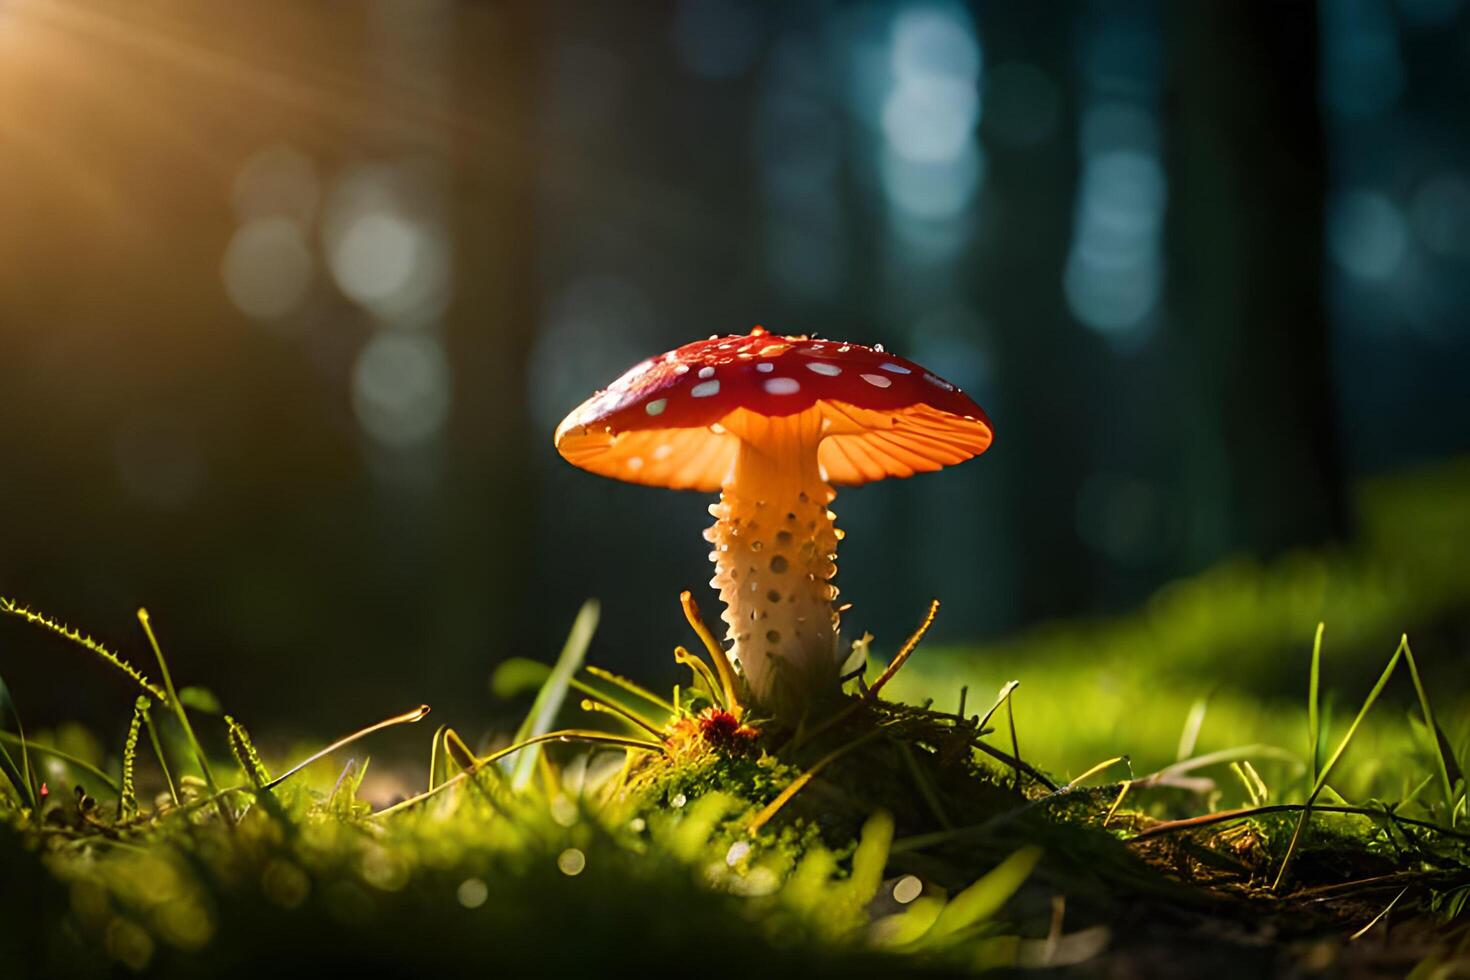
[(1247, 165), (1048, 366), (489, 329)]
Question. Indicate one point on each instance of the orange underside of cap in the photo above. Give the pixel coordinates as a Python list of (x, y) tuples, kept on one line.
[(858, 446)]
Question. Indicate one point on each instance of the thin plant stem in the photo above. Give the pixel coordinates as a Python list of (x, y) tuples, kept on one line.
[(183, 715), (632, 688), (728, 682), (406, 717), (168, 777), (1226, 816), (1434, 735), (796, 785), (566, 735)]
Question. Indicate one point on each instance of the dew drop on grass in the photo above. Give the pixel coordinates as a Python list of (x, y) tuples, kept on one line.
[(737, 853), (678, 801), (906, 889), (571, 862)]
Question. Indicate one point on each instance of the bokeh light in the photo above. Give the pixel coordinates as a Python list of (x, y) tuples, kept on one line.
[(1440, 214), (384, 247), (932, 190), (401, 388), (268, 267), (1367, 234), (595, 329), (1114, 274), (931, 112)]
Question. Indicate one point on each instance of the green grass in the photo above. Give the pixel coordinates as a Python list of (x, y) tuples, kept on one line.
[(1238, 640), (1208, 780)]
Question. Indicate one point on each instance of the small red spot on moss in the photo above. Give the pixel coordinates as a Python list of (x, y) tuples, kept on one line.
[(723, 730)]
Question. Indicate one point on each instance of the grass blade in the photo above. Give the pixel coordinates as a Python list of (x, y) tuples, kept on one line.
[(66, 757), (19, 775), (549, 699), (1003, 697), (157, 743), (565, 735), (406, 718), (1105, 764), (182, 714), (1379, 917), (1193, 722), (875, 842), (632, 688), (1443, 755), (434, 763), (1314, 717), (925, 785), (985, 897), (1336, 755)]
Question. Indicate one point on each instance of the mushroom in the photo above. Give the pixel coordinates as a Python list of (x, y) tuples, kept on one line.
[(773, 422)]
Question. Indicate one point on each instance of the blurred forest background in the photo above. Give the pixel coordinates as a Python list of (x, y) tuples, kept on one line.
[(292, 296)]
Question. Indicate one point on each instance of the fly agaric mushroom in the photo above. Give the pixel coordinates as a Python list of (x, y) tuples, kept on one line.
[(772, 423)]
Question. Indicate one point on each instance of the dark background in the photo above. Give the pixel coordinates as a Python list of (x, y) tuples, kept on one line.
[(292, 296)]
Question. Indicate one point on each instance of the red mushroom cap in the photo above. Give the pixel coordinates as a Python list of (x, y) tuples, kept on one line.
[(674, 420)]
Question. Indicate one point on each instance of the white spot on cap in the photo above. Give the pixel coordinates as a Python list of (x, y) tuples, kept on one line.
[(876, 380), (782, 386), (681, 368), (938, 382), (895, 368), (635, 463), (704, 389), (822, 367), (878, 348), (706, 372), (663, 451), (765, 367), (657, 406)]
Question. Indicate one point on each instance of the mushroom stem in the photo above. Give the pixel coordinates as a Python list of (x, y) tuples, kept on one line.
[(774, 552)]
